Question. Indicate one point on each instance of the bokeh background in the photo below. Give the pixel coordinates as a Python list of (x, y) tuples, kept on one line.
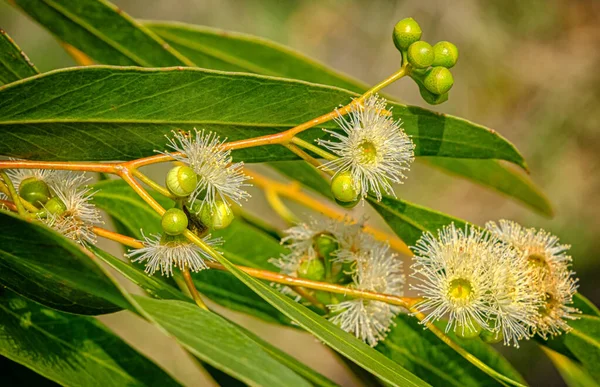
[(528, 69)]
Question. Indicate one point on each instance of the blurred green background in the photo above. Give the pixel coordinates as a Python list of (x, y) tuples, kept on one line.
[(528, 69)]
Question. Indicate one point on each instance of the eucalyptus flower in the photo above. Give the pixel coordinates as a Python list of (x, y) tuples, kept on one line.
[(453, 276), (549, 267), (375, 270), (70, 211), (218, 177), (372, 147), (164, 251)]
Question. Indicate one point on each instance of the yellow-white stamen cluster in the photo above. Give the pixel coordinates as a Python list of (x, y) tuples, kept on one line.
[(78, 220), (163, 252), (372, 146), (218, 177), (375, 269), (549, 268)]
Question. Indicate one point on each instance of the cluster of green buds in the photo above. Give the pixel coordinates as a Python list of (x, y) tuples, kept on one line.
[(429, 65), (42, 196), (182, 181)]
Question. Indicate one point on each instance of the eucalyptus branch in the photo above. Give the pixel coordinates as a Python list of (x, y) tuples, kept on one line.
[(271, 276), (14, 195)]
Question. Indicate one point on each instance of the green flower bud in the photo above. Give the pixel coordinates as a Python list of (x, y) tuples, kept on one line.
[(438, 80), (343, 187), (446, 54), (406, 32), (420, 54), (470, 330), (325, 245), (182, 181), (217, 217), (35, 191), (55, 206), (491, 337), (430, 98), (312, 269), (174, 221)]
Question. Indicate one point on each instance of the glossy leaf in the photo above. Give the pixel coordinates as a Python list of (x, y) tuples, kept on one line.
[(219, 343), (102, 31), (425, 355), (69, 349), (344, 343), (501, 178), (14, 64), (245, 244), (584, 342), (216, 49), (585, 306), (42, 265), (572, 372), (158, 288), (109, 113), (409, 220)]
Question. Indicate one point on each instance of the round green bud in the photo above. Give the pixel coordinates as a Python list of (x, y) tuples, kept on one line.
[(311, 269), (55, 206), (35, 191), (446, 54), (406, 32), (469, 330), (217, 217), (325, 245), (491, 337), (182, 181), (344, 187), (420, 54), (430, 98), (438, 80), (348, 204), (174, 221)]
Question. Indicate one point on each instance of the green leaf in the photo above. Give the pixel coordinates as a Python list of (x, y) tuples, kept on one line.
[(343, 342), (15, 374), (572, 373), (111, 113), (409, 220), (14, 64), (216, 49), (584, 342), (41, 265), (158, 288), (305, 174), (69, 349), (103, 32), (585, 306), (425, 355), (501, 178), (219, 343)]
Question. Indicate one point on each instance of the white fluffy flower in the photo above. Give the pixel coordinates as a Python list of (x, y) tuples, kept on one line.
[(164, 252), (48, 176), (77, 220), (454, 276), (379, 271), (549, 267), (373, 147), (218, 177)]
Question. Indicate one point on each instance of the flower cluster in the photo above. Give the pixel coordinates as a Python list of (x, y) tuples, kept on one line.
[(508, 281), (356, 260), (64, 200), (372, 147), (205, 185)]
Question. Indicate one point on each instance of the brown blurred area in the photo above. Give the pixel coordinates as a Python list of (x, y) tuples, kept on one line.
[(528, 69)]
